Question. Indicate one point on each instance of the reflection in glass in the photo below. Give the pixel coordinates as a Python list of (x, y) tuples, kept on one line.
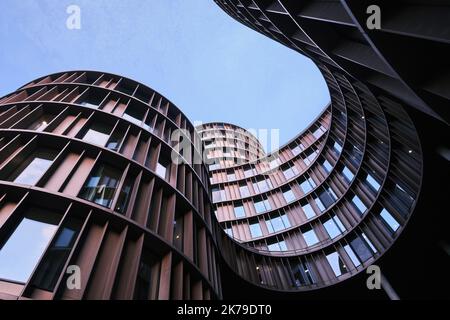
[(34, 166), (41, 123), (310, 237), (255, 230), (22, 251), (142, 289), (101, 186), (53, 263), (239, 212), (124, 196)]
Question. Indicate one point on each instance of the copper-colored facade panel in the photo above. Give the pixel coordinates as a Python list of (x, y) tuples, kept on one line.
[(313, 214)]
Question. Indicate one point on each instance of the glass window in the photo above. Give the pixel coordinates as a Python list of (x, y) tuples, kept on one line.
[(320, 204), (248, 173), (56, 256), (318, 133), (357, 202), (231, 176), (90, 103), (310, 237), (31, 170), (262, 206), (289, 196), (302, 276), (308, 210), (243, 189), (124, 196), (278, 246), (98, 133), (267, 205), (274, 163), (348, 174), (372, 247), (283, 245), (229, 232), (290, 172), (162, 168), (274, 247), (41, 123), (142, 289), (269, 226), (218, 194), (339, 223), (134, 113), (277, 224), (327, 197), (306, 186), (296, 151), (336, 263), (372, 182), (255, 230), (361, 248), (310, 157), (116, 139), (389, 220), (337, 147), (178, 232), (327, 166), (239, 211), (101, 186), (286, 222), (263, 185), (24, 248), (332, 230), (214, 166), (403, 195), (352, 255)]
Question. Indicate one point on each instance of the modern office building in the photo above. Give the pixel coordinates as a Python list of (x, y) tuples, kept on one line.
[(93, 205), (405, 58), (399, 71), (87, 180)]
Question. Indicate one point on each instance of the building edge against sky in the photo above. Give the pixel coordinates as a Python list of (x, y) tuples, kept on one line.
[(401, 65)]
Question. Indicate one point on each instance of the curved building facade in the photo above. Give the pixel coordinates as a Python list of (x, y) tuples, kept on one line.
[(398, 49), (327, 204), (378, 79), (227, 145), (88, 186), (91, 205)]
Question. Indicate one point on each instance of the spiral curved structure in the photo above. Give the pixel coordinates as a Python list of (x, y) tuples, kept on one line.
[(93, 151), (88, 156), (315, 213)]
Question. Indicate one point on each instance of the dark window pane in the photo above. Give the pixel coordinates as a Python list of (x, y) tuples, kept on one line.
[(124, 196), (101, 186), (53, 263), (178, 233)]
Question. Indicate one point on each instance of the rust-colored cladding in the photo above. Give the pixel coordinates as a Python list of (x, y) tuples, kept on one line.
[(92, 150), (320, 210)]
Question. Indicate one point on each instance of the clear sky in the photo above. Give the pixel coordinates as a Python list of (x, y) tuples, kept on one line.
[(212, 67)]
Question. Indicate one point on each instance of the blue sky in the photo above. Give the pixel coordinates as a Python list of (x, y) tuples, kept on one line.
[(212, 67)]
